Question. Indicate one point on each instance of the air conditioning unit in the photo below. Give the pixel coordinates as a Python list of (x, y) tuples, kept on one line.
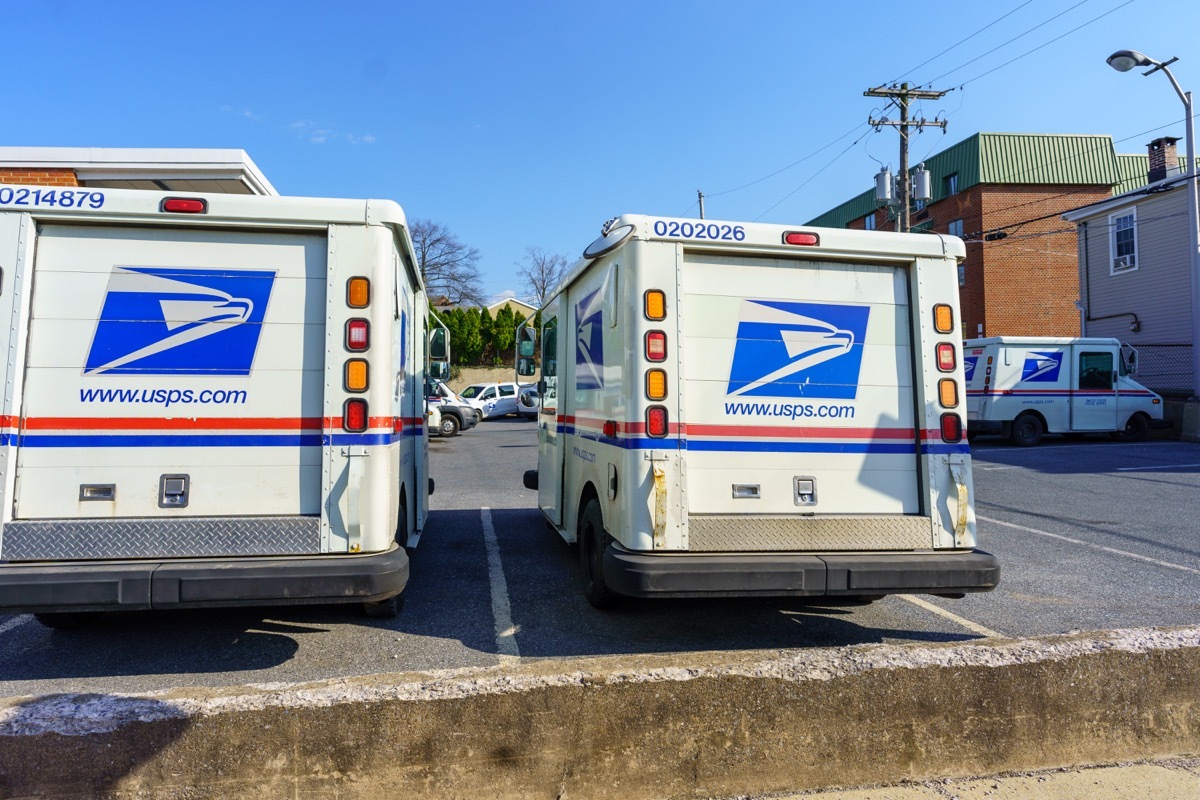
[(1123, 262)]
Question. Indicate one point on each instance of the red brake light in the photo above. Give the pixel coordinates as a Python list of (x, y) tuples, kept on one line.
[(610, 428), (951, 428), (358, 335), (354, 415), (946, 359), (184, 205), (656, 421), (656, 346), (801, 238)]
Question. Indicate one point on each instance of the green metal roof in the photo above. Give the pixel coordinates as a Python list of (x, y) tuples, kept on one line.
[(1133, 169), (1005, 158)]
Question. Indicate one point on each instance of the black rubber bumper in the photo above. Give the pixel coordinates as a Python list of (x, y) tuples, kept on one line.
[(201, 583), (791, 574)]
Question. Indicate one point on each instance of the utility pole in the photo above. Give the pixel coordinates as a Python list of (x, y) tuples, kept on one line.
[(901, 96), (700, 194)]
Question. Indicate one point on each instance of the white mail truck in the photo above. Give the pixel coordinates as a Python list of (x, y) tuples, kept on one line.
[(748, 409), (1024, 387), (209, 401)]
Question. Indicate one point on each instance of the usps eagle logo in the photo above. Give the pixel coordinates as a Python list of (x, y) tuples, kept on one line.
[(789, 349), (179, 321), (1041, 367), (589, 342)]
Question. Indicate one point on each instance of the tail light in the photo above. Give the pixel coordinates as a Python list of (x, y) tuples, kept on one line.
[(943, 318), (656, 421), (184, 205), (948, 393), (654, 303), (656, 384), (610, 428), (801, 238), (358, 292), (354, 415), (358, 335), (356, 375), (656, 346), (952, 429), (946, 358)]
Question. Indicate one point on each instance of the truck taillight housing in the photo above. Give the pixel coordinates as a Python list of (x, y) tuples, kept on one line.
[(952, 430), (947, 359), (358, 335), (654, 304), (656, 346), (354, 415), (948, 393), (943, 318), (803, 238), (656, 421), (184, 205), (358, 292), (656, 384), (356, 375)]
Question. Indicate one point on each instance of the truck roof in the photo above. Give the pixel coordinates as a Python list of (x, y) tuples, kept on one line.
[(1041, 340)]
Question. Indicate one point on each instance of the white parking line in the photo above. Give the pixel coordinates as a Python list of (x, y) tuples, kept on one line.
[(14, 622), (1112, 550), (506, 632), (1165, 466), (941, 612)]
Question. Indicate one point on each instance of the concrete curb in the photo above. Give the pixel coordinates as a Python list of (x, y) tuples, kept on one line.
[(695, 725)]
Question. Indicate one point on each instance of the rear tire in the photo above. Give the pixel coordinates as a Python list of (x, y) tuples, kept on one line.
[(1027, 430), (593, 541)]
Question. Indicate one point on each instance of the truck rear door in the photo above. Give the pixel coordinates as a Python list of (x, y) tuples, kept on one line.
[(798, 392), (173, 374)]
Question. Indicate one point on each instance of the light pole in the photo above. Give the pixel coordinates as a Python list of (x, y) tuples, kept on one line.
[(1123, 61)]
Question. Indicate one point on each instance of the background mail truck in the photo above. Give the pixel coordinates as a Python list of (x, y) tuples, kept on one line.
[(1024, 387), (209, 401), (746, 409)]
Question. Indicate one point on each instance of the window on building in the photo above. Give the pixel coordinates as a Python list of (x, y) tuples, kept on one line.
[(869, 222), (951, 183), (1122, 241), (955, 228)]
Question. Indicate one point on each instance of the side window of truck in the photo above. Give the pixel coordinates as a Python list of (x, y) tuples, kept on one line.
[(550, 363), (507, 391), (1095, 371)]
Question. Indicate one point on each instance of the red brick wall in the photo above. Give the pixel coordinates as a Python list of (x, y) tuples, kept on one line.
[(39, 177)]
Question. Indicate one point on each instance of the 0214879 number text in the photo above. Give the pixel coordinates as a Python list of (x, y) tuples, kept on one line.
[(58, 198), (699, 230)]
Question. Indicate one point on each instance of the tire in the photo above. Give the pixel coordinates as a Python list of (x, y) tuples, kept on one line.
[(1027, 430), (385, 609), (63, 621), (449, 426), (593, 540), (1136, 429)]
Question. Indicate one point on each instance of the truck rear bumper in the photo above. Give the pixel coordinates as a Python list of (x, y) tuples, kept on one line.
[(201, 583), (792, 574)]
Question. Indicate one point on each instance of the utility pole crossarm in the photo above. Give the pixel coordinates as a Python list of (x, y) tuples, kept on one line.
[(901, 95)]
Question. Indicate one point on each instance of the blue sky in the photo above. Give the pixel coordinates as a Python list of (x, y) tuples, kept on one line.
[(530, 123)]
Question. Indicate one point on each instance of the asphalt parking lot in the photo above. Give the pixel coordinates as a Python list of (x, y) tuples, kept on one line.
[(1091, 534)]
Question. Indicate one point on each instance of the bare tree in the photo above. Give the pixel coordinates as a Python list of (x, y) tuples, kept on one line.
[(541, 271), (448, 267)]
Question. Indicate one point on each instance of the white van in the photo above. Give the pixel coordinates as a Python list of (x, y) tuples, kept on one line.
[(212, 401), (1022, 387), (745, 409)]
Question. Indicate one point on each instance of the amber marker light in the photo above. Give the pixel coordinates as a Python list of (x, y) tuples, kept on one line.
[(358, 292)]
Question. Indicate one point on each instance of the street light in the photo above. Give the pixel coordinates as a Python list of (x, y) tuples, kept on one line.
[(1123, 61)]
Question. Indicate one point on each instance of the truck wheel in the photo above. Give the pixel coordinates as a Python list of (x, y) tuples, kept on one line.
[(449, 426), (593, 540), (385, 609), (1136, 429), (63, 621), (1027, 430)]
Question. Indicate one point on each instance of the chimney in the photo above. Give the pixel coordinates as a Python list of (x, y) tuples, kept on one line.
[(1163, 160)]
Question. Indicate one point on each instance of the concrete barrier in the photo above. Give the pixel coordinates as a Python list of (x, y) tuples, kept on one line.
[(694, 725)]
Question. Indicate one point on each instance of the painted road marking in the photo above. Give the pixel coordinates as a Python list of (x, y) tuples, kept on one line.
[(1101, 547), (14, 622), (506, 632), (941, 612), (1166, 466)]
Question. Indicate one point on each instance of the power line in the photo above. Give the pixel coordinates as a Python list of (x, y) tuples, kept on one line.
[(789, 166), (811, 177), (962, 41)]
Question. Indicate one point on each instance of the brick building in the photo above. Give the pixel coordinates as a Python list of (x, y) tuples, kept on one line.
[(156, 169), (1004, 194)]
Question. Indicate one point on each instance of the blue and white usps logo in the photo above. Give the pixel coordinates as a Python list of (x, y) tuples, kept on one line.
[(1041, 367), (789, 349), (969, 366), (589, 342), (179, 321)]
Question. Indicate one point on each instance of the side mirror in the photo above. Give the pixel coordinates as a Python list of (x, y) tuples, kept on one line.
[(439, 345), (439, 370), (526, 342), (526, 366)]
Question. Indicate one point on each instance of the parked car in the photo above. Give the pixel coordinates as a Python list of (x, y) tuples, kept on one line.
[(499, 399), (528, 402), (437, 391), (455, 418), (433, 418)]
